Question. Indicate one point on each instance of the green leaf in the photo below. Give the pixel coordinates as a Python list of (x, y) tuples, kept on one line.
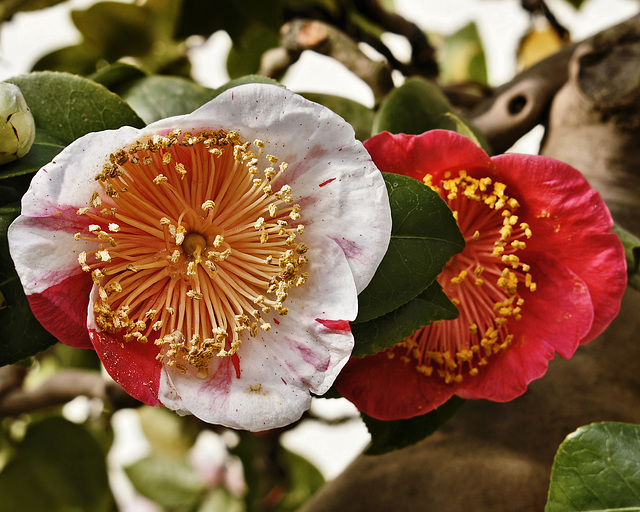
[(424, 236), (246, 52), (10, 8), (117, 75), (304, 480), (159, 97), (461, 58), (387, 436), (249, 79), (576, 3), (390, 329), (45, 148), (596, 468), (418, 106), (116, 29), (58, 467), (205, 18), (356, 114), (169, 481), (631, 244), (219, 499), (22, 335), (67, 106), (79, 59)]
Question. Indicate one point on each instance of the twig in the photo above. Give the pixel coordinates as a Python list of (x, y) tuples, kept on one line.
[(423, 60), (60, 389), (300, 35)]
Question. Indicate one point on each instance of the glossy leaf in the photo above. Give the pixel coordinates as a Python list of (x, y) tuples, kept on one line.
[(356, 114), (205, 18), (576, 3), (461, 58), (597, 468), (424, 236), (246, 52), (70, 106), (540, 41), (248, 79), (22, 335), (169, 481), (117, 75), (58, 467), (631, 245), (159, 97), (390, 329), (79, 59), (418, 106), (387, 436), (116, 29), (65, 107), (10, 8), (304, 480), (219, 499)]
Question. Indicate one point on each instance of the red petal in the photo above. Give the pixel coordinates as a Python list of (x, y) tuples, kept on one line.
[(570, 221), (433, 152), (62, 310), (390, 389), (131, 364), (554, 319)]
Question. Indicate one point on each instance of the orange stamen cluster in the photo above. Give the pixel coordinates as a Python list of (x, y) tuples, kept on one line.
[(193, 244), (483, 281)]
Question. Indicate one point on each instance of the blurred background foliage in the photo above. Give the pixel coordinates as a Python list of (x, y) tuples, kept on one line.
[(140, 52)]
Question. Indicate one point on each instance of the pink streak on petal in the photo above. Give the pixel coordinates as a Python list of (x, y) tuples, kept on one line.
[(62, 310), (350, 248), (60, 218)]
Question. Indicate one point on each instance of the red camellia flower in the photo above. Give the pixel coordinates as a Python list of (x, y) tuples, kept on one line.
[(541, 273)]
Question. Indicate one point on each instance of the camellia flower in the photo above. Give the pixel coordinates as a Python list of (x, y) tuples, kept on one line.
[(212, 260), (541, 273)]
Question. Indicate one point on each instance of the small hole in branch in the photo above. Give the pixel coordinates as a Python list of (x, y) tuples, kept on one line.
[(517, 104)]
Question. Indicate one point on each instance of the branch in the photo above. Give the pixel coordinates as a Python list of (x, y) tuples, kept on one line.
[(518, 106), (300, 35), (58, 390), (423, 60)]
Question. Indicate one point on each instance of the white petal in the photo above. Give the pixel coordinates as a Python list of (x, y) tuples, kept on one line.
[(332, 176), (41, 239), (279, 367)]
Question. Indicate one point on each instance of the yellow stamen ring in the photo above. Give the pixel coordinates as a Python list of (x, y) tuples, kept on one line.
[(486, 217), (192, 263)]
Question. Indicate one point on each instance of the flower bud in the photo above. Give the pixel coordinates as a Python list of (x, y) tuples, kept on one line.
[(17, 127)]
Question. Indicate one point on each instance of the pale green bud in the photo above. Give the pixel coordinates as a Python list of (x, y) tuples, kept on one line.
[(17, 128)]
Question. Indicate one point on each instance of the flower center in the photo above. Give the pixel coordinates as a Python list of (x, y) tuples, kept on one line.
[(193, 245), (483, 281)]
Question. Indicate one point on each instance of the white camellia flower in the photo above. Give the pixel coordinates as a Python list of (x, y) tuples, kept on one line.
[(212, 260), (17, 127)]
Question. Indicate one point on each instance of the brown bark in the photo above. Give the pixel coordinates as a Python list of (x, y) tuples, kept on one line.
[(498, 456)]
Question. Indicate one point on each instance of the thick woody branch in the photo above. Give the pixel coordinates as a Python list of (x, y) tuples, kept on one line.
[(57, 390), (518, 106)]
